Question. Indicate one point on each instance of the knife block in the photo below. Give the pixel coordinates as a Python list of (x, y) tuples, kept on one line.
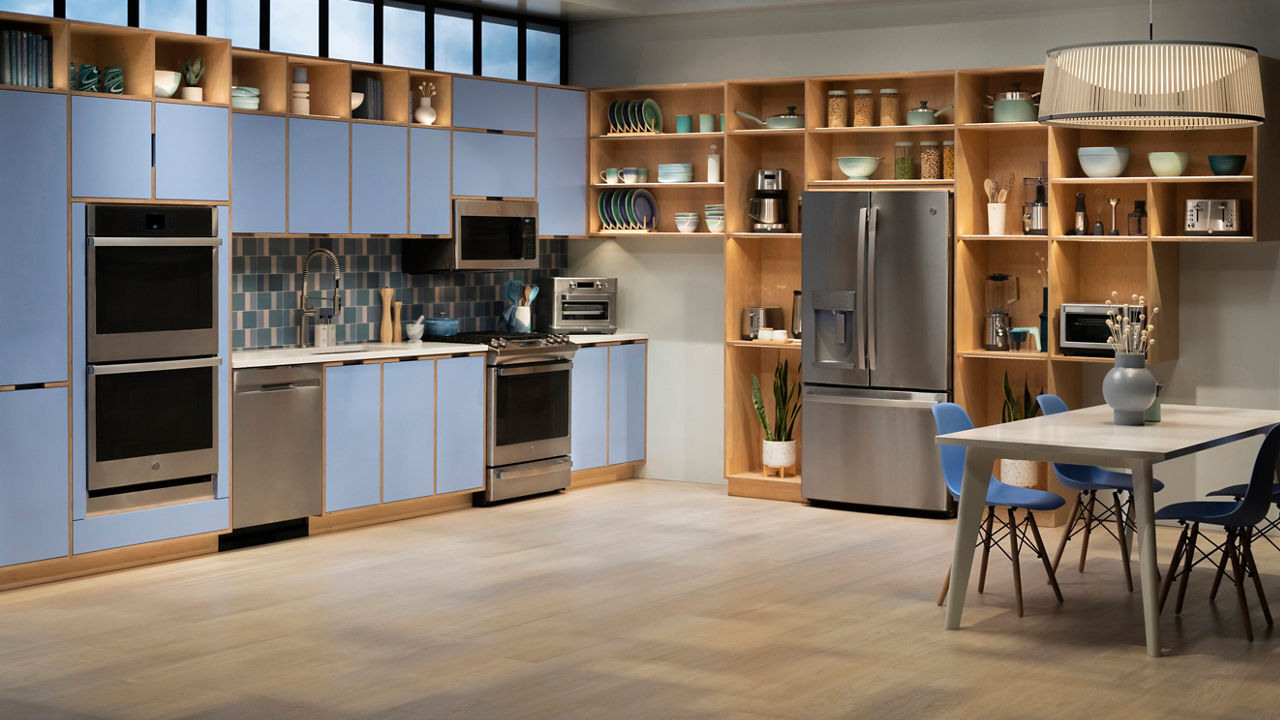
[(388, 332)]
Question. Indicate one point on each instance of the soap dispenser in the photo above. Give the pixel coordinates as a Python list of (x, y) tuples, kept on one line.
[(324, 328)]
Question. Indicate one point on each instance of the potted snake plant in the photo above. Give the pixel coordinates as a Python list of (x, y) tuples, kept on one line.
[(779, 451), (192, 71), (1022, 473)]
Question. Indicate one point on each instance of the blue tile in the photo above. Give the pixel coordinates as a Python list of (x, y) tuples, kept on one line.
[(237, 302)]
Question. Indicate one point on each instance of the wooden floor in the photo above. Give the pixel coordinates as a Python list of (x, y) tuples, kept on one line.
[(639, 599)]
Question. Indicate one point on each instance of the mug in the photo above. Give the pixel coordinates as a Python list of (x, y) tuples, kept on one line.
[(642, 174), (721, 122), (609, 175), (629, 175), (684, 123), (706, 123)]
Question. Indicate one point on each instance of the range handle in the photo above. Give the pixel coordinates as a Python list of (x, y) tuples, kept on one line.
[(532, 470)]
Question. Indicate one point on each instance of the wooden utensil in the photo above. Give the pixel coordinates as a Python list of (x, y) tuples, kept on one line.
[(990, 186), (387, 333)]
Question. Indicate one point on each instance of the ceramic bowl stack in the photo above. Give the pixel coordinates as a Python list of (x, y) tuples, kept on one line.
[(675, 172), (244, 97), (715, 217), (687, 222)]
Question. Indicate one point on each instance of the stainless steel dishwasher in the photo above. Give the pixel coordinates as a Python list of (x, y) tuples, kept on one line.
[(277, 421)]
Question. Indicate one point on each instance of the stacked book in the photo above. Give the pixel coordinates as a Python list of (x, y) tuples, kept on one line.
[(371, 108), (26, 59)]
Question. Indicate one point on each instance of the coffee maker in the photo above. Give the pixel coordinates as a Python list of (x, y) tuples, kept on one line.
[(1002, 291), (767, 207)]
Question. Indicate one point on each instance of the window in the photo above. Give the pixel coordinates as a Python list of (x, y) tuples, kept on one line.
[(170, 15), (114, 12), (499, 48), (29, 7), (454, 46), (542, 54), (235, 19), (295, 26), (351, 30), (404, 40)]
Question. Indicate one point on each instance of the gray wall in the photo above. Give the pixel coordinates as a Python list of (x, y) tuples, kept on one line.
[(1230, 352)]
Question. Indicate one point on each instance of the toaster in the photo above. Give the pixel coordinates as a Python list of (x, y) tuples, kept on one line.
[(1213, 217), (754, 318)]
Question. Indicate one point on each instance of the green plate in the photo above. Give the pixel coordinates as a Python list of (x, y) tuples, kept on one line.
[(604, 219), (628, 205), (652, 115), (634, 114), (615, 208)]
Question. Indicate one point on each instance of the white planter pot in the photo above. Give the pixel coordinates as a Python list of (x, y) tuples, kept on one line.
[(193, 93), (779, 454), (1020, 473)]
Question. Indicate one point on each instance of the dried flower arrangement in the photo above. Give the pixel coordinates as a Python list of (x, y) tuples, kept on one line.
[(1132, 332)]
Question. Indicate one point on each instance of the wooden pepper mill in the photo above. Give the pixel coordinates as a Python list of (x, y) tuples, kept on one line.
[(396, 332), (387, 334)]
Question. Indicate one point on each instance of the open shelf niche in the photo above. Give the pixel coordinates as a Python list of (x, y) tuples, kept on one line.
[(442, 102), (266, 71), (173, 49), (105, 46), (58, 33), (395, 109), (330, 87)]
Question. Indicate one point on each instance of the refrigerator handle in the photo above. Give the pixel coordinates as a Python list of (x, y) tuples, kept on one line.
[(860, 292), (869, 300)]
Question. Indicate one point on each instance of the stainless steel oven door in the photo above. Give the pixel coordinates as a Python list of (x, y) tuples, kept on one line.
[(587, 312), (529, 411), (152, 297), (152, 421)]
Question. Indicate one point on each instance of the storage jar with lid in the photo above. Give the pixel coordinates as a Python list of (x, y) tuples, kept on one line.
[(949, 159), (930, 160), (890, 111), (863, 104), (904, 161), (837, 108)]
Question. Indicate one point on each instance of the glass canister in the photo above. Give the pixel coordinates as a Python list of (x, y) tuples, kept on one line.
[(949, 159), (837, 109), (930, 160), (863, 104), (890, 109), (904, 162)]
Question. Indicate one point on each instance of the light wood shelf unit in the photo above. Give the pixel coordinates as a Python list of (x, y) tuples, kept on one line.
[(395, 92), (130, 49), (171, 49), (58, 32), (330, 87), (269, 72), (442, 102)]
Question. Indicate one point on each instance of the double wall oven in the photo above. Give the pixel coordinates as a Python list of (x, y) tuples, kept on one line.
[(152, 390)]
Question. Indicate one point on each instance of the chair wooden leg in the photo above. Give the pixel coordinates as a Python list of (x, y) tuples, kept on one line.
[(1188, 559), (1088, 528), (1252, 568), (986, 548), (1173, 566), (1066, 535), (946, 585), (1238, 576), (1217, 578), (1017, 569), (1044, 555), (1124, 544)]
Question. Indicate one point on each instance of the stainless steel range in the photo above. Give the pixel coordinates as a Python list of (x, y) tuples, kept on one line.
[(527, 434)]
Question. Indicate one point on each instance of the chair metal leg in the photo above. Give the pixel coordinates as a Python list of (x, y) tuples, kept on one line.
[(1124, 544), (1189, 560), (1044, 555), (946, 585), (1066, 535), (1252, 568), (1088, 528), (986, 547), (1013, 554), (1217, 577), (1173, 566)]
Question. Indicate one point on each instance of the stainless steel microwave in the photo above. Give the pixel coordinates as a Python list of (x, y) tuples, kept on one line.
[(487, 235), (1082, 328)]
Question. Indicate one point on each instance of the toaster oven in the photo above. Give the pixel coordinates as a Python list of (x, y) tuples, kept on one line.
[(1082, 328), (578, 305)]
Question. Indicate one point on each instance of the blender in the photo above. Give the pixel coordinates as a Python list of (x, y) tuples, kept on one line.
[(1002, 291)]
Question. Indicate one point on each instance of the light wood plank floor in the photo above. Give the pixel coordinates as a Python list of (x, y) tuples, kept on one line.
[(640, 599)]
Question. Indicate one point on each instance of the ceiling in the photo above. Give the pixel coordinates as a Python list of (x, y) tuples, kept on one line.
[(576, 10)]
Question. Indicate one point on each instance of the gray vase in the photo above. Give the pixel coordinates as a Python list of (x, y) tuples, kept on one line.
[(1129, 388)]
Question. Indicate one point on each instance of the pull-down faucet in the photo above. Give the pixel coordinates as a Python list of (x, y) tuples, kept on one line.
[(305, 303)]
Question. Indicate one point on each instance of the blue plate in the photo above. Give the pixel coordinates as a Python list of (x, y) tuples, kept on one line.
[(645, 209)]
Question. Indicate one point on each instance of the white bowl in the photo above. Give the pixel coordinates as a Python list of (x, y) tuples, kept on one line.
[(356, 99), (686, 225), (1103, 162), (167, 83)]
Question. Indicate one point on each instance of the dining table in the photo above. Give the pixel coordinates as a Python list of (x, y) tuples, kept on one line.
[(1090, 437)]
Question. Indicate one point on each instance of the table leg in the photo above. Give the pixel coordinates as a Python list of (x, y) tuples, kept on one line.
[(1144, 511), (973, 498)]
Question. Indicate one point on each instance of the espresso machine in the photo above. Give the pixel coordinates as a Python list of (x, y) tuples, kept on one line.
[(767, 207), (1002, 292)]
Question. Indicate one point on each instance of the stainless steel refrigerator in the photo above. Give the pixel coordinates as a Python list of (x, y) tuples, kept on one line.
[(876, 346)]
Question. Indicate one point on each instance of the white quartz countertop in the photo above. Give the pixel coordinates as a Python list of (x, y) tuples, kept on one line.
[(614, 338), (347, 353)]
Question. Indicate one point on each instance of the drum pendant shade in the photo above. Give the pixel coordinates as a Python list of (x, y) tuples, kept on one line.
[(1152, 85)]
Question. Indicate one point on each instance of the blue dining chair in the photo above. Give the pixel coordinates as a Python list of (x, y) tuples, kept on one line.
[(1267, 526), (1238, 518), (950, 418), (1088, 481)]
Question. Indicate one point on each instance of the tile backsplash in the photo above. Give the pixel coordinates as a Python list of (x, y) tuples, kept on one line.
[(266, 275)]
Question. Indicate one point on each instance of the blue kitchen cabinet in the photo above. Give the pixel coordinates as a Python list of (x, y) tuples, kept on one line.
[(459, 424), (33, 475), (430, 211), (494, 105), (408, 429), (110, 147), (626, 403), (493, 165), (379, 179), (191, 152), (113, 530), (319, 176), (589, 413), (352, 447), (562, 162), (258, 173), (33, 233)]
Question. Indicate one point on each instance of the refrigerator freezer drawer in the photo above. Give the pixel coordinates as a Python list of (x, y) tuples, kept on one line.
[(872, 447)]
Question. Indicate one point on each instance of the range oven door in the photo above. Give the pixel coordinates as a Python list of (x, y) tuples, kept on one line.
[(529, 411), (152, 423)]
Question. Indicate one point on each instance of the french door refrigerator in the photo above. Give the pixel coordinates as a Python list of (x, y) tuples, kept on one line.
[(876, 346)]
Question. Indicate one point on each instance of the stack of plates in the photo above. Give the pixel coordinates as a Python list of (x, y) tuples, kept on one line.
[(675, 172), (715, 217), (635, 116), (245, 98), (627, 210)]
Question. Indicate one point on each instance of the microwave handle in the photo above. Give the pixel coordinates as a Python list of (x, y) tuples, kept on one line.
[(155, 241)]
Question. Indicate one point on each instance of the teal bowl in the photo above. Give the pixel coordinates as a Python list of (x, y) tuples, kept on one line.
[(858, 167), (1226, 164)]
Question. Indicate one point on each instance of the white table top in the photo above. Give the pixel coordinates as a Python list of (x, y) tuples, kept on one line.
[(1090, 433)]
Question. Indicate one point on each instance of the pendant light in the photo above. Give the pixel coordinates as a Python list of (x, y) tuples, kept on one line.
[(1150, 85)]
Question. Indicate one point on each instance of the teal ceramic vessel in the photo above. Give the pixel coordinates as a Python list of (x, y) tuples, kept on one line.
[(113, 80), (88, 77)]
